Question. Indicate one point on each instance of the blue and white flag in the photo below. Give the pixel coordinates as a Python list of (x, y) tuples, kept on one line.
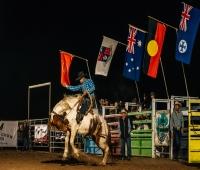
[(134, 53), (186, 34)]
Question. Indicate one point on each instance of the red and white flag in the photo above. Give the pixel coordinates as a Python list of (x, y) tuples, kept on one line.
[(105, 56)]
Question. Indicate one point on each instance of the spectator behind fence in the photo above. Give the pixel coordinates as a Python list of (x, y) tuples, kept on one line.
[(20, 136), (153, 96), (145, 103), (125, 128), (176, 126), (25, 135)]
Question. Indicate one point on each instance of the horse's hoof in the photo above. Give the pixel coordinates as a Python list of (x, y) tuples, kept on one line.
[(76, 155), (64, 158), (102, 164)]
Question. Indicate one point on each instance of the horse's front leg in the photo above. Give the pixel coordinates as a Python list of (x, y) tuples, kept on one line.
[(103, 144), (72, 138), (66, 150)]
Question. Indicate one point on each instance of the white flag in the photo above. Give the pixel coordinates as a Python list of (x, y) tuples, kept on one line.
[(105, 56)]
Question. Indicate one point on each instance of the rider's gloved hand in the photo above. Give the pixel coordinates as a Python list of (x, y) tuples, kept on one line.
[(84, 93)]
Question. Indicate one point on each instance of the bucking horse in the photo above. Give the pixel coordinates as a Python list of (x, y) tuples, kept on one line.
[(68, 108)]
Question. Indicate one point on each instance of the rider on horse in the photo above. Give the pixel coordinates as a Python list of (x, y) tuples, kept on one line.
[(87, 87)]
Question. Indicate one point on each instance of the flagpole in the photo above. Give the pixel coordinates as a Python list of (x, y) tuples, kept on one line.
[(136, 85), (81, 59), (121, 43), (88, 69), (163, 23), (185, 79), (91, 78), (164, 79), (75, 55), (138, 28), (137, 89)]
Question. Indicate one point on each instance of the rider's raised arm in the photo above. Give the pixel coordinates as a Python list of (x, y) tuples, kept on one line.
[(74, 88)]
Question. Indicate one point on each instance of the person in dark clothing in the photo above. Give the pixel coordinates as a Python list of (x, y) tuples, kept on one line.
[(125, 128), (145, 102), (20, 136), (25, 135), (176, 126), (153, 96)]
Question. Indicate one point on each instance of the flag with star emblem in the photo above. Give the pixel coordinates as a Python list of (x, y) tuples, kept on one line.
[(105, 56), (66, 59), (134, 53), (188, 27), (153, 47)]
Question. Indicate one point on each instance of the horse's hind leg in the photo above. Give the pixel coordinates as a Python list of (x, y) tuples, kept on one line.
[(102, 143), (66, 150), (72, 138)]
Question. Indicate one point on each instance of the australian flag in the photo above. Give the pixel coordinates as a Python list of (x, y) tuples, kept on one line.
[(134, 53), (186, 34)]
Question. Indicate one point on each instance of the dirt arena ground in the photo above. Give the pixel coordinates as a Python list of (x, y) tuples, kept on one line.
[(37, 160)]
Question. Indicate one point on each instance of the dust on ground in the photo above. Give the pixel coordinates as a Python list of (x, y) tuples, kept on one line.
[(38, 160)]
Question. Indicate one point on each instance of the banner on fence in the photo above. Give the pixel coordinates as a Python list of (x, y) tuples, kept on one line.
[(8, 133), (40, 134), (162, 128)]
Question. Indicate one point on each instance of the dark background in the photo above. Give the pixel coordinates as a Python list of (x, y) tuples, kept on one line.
[(33, 32)]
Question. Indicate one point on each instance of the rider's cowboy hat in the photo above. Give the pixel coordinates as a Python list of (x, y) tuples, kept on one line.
[(177, 103), (123, 111), (80, 75)]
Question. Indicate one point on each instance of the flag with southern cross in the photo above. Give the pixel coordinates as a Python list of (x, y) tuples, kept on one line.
[(188, 27), (105, 56), (134, 53)]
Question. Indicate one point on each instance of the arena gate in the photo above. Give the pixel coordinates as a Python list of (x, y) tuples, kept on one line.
[(41, 136)]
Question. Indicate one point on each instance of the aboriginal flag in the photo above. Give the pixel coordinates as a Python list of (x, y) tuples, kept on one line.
[(153, 47)]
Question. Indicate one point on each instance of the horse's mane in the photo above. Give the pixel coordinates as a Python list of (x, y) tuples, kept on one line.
[(67, 99)]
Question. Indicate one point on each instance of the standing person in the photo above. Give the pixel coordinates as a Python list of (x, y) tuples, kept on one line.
[(153, 96), (20, 136), (25, 135), (125, 128), (176, 125), (145, 104)]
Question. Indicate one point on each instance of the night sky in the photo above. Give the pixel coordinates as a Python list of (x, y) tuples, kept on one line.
[(32, 33)]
